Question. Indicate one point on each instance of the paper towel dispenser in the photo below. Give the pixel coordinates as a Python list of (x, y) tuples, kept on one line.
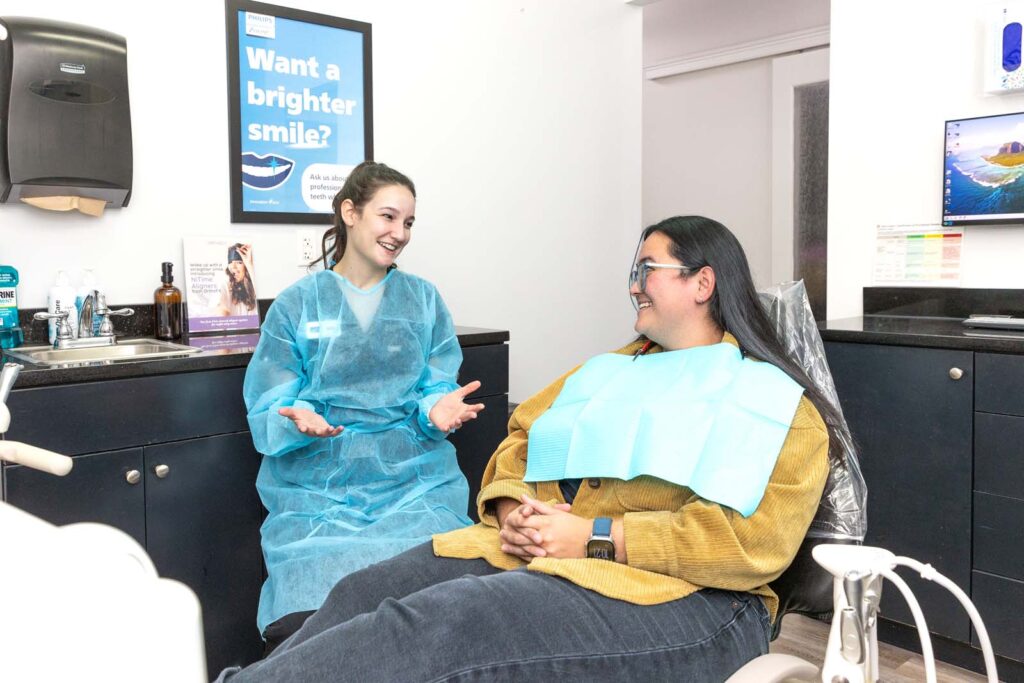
[(65, 123)]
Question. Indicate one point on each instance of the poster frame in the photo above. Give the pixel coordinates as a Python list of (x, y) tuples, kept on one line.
[(239, 214)]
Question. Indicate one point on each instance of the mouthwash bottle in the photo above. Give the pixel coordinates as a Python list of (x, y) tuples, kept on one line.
[(10, 333)]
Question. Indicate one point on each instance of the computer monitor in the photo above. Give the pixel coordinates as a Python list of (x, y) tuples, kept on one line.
[(983, 171)]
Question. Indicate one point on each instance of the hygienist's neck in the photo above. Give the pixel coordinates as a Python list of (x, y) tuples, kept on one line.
[(361, 274)]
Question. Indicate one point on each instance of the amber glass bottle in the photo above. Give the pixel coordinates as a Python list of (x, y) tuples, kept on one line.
[(167, 301)]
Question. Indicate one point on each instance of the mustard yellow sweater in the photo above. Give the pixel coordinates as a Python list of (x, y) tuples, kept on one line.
[(676, 542)]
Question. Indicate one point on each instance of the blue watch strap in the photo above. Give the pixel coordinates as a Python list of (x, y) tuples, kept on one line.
[(602, 526)]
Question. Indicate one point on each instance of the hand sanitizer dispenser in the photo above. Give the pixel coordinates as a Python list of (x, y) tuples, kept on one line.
[(65, 123)]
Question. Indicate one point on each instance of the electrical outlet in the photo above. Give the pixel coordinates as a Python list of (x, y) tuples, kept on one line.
[(308, 247)]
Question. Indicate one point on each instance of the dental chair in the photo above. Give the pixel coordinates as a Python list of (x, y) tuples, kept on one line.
[(833, 577), (805, 587), (83, 602)]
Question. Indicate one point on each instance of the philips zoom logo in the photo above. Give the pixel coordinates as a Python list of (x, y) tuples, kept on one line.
[(265, 172), (69, 68)]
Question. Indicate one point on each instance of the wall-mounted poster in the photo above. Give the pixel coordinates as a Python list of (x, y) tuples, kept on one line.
[(219, 285), (300, 109)]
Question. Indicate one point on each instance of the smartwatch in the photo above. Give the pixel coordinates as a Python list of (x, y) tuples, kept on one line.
[(601, 546)]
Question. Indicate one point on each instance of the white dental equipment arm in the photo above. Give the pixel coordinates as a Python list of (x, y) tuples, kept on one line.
[(851, 655), (83, 601), (858, 571)]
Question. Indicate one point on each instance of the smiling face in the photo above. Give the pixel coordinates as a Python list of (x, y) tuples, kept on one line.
[(671, 310), (237, 270), (378, 233)]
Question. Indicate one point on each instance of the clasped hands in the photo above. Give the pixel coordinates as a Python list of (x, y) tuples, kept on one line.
[(535, 529), (449, 413)]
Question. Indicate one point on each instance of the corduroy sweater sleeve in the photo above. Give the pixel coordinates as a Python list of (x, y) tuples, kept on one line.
[(710, 545)]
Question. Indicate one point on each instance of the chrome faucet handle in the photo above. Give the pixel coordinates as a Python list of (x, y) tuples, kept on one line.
[(64, 330), (107, 327)]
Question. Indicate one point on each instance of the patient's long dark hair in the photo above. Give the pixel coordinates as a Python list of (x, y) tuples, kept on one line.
[(734, 305)]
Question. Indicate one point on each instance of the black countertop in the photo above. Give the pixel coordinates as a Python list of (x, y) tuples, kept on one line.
[(227, 351), (941, 333)]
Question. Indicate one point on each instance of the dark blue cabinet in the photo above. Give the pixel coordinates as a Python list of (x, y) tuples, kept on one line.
[(911, 413), (168, 459)]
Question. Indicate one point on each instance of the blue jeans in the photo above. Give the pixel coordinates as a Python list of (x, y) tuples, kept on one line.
[(417, 618)]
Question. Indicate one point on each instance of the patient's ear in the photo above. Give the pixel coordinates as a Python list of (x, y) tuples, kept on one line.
[(705, 284)]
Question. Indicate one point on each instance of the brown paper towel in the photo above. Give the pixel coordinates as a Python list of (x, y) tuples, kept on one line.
[(86, 205)]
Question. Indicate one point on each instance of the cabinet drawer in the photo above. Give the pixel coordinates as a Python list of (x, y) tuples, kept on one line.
[(1000, 602), (999, 454), (106, 415), (998, 524), (998, 383), (489, 364)]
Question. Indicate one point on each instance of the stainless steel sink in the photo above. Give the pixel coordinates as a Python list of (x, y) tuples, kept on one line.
[(124, 350)]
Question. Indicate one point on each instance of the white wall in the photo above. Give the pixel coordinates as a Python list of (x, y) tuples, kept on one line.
[(519, 121), (898, 71), (707, 151)]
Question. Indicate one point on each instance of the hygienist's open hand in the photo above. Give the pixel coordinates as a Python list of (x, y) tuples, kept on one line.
[(309, 422), (452, 410)]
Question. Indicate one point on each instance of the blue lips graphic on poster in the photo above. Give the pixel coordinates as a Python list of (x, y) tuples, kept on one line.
[(301, 105)]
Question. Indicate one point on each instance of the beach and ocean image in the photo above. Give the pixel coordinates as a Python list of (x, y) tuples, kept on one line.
[(984, 166)]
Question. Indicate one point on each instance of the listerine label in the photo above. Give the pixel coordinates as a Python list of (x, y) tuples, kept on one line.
[(8, 297)]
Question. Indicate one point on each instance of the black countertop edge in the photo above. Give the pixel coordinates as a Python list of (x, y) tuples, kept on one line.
[(934, 332), (39, 376)]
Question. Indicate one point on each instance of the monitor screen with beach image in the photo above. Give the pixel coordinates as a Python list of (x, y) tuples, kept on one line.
[(983, 171)]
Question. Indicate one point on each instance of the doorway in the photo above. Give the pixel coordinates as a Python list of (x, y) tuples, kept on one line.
[(799, 178)]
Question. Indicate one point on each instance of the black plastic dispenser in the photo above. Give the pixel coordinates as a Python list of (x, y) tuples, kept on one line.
[(65, 123)]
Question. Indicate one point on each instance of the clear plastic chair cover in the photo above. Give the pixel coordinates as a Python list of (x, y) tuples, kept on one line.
[(842, 513)]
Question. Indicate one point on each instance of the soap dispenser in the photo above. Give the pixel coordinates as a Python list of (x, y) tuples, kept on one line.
[(167, 302)]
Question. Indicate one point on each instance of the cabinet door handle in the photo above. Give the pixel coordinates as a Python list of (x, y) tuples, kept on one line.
[(133, 476), (161, 471), (955, 373)]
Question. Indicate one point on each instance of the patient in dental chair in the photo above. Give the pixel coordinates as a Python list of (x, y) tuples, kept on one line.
[(632, 519)]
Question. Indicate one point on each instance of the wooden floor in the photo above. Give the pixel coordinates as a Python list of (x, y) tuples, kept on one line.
[(806, 638)]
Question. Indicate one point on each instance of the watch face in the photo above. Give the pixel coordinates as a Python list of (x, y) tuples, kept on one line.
[(601, 549)]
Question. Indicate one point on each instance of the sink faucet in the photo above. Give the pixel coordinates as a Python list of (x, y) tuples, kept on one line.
[(65, 338)]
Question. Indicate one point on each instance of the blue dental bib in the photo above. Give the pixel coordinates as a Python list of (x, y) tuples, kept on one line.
[(705, 418)]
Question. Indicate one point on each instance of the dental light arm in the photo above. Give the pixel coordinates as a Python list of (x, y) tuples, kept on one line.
[(36, 458)]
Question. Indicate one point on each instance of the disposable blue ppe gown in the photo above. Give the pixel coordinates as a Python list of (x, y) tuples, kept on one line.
[(390, 479)]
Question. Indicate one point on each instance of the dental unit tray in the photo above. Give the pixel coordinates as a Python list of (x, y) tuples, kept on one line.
[(998, 322)]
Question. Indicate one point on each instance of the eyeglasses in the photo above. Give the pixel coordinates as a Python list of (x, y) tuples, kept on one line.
[(641, 270)]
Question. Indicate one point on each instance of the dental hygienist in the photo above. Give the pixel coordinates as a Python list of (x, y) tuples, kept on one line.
[(351, 392)]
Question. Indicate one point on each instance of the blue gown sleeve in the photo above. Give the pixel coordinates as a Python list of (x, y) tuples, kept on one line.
[(442, 369), (273, 380)]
